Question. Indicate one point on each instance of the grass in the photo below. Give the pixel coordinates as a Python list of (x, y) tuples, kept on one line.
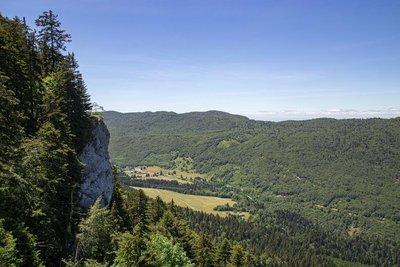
[(198, 203), (344, 263)]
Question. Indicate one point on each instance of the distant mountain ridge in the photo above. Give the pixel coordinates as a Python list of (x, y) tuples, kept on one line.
[(171, 121)]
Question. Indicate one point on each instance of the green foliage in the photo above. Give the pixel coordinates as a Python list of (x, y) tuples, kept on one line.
[(204, 251), (224, 253), (19, 63), (157, 209), (237, 258), (44, 123), (137, 209), (75, 102), (346, 167), (27, 247), (51, 39), (93, 263), (96, 234), (166, 253), (10, 125), (8, 251), (131, 248), (312, 180)]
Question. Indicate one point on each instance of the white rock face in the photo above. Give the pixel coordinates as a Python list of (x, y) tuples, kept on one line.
[(97, 175)]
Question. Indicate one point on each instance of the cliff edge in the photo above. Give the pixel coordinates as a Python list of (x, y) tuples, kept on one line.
[(97, 175)]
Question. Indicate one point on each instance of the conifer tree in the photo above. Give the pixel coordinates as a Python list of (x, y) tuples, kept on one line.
[(204, 252), (51, 169), (237, 258), (224, 253), (39, 169), (52, 40), (157, 209), (74, 101), (8, 252), (118, 212), (15, 63), (131, 248), (137, 209), (11, 131)]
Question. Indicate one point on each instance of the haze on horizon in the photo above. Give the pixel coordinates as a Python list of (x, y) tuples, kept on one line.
[(267, 60)]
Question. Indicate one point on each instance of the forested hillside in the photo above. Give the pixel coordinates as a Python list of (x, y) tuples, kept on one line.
[(339, 175), (45, 123)]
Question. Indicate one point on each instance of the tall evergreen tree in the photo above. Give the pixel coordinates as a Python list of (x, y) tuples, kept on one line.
[(52, 170), (11, 131), (224, 253), (52, 40), (137, 209), (34, 101), (118, 212), (131, 248), (157, 209), (74, 100), (16, 61), (237, 258), (8, 252), (204, 252)]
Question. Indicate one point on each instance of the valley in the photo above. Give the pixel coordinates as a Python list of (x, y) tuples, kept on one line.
[(198, 203), (323, 180)]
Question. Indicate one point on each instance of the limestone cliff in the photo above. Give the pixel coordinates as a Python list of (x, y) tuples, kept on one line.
[(97, 175)]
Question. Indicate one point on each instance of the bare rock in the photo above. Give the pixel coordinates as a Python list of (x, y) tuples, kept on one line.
[(97, 174)]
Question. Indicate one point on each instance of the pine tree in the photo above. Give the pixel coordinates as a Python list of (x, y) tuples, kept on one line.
[(34, 97), (224, 253), (173, 227), (52, 170), (8, 252), (11, 132), (204, 252), (157, 209), (137, 209), (131, 248), (237, 258), (74, 101), (118, 212), (52, 40), (16, 63)]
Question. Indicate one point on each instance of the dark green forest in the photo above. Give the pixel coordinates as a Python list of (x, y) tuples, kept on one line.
[(335, 180), (44, 124)]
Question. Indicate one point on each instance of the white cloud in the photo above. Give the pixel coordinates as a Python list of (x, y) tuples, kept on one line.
[(337, 113)]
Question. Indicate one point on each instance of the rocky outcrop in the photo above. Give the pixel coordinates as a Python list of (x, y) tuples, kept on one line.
[(97, 175)]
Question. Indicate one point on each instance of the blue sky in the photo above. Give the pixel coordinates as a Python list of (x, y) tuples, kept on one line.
[(269, 60)]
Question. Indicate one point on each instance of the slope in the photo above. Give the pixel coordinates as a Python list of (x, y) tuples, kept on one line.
[(339, 173)]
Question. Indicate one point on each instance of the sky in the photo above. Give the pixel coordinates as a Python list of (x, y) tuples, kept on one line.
[(268, 60)]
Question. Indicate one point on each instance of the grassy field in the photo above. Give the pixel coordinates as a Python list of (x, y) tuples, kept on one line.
[(178, 173), (199, 203), (159, 173)]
